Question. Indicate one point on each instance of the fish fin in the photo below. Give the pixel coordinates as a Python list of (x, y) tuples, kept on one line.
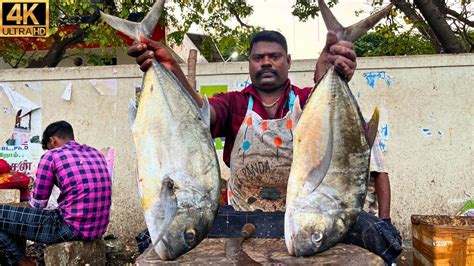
[(134, 29), (297, 106), (205, 112), (132, 112), (372, 127), (317, 174), (353, 32), (297, 111), (168, 208)]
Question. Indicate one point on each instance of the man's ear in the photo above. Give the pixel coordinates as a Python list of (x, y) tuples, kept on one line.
[(54, 141), (288, 60)]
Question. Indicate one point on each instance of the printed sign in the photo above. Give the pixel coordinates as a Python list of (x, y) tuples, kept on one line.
[(27, 18), (209, 91)]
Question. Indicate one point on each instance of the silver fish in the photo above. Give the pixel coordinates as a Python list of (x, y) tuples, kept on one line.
[(178, 169), (331, 156)]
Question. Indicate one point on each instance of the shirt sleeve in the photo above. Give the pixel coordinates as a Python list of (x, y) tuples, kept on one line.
[(221, 104), (43, 184), (303, 95)]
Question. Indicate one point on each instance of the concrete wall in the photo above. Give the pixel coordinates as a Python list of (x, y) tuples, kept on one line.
[(120, 54), (426, 124)]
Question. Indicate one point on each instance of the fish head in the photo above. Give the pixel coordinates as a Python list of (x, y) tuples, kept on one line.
[(306, 233), (192, 220), (180, 238)]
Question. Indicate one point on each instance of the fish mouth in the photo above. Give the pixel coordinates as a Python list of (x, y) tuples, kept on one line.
[(299, 246), (162, 250), (289, 233), (290, 246), (166, 250), (300, 241)]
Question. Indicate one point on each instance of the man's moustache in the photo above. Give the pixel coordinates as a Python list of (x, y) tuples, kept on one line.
[(261, 72)]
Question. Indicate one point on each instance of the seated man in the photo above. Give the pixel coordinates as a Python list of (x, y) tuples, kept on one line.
[(80, 172)]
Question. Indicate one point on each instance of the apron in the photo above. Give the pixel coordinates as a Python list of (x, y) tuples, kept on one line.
[(261, 160)]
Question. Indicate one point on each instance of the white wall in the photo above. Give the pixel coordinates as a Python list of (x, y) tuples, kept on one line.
[(430, 174)]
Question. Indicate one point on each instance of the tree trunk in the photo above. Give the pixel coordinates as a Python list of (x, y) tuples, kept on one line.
[(56, 52), (419, 23), (192, 59), (58, 49), (440, 27)]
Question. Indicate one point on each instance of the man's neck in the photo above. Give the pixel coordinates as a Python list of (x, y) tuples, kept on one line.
[(270, 96), (270, 99)]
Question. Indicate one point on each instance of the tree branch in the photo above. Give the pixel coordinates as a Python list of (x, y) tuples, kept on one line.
[(19, 59), (440, 27), (58, 49), (236, 15), (459, 17), (56, 52), (419, 22)]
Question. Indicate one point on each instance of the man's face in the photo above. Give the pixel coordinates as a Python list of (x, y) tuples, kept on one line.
[(268, 66)]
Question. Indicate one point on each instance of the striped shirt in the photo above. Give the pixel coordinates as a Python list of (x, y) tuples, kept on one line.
[(81, 174)]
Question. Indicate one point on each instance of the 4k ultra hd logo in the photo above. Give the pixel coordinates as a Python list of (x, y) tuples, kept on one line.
[(25, 18)]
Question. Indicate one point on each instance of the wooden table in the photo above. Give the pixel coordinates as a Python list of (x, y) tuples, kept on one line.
[(270, 252)]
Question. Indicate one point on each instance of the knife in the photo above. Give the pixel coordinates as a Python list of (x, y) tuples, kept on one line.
[(233, 247)]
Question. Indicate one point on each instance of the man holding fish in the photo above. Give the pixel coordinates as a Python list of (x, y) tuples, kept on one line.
[(259, 125), (258, 121)]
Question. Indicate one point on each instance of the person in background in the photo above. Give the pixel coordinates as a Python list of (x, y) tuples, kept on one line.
[(80, 171)]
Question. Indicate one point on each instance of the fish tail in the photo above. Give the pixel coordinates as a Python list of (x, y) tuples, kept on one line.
[(353, 32), (134, 29)]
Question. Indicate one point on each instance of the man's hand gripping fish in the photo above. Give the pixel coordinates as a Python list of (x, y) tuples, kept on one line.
[(178, 171), (328, 178)]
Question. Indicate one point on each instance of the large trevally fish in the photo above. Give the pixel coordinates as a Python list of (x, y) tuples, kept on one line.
[(178, 171), (328, 178)]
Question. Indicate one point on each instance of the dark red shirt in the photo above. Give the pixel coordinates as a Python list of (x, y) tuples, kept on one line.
[(231, 108)]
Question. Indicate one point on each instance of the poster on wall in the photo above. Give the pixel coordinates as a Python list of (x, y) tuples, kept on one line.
[(22, 150), (209, 91)]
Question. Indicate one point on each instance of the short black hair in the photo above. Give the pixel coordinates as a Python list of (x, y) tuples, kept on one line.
[(60, 129), (269, 36)]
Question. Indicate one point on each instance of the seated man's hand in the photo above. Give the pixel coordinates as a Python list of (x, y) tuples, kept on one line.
[(341, 54), (147, 49)]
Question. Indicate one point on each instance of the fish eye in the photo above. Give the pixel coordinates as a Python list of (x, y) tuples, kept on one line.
[(190, 236), (316, 237)]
